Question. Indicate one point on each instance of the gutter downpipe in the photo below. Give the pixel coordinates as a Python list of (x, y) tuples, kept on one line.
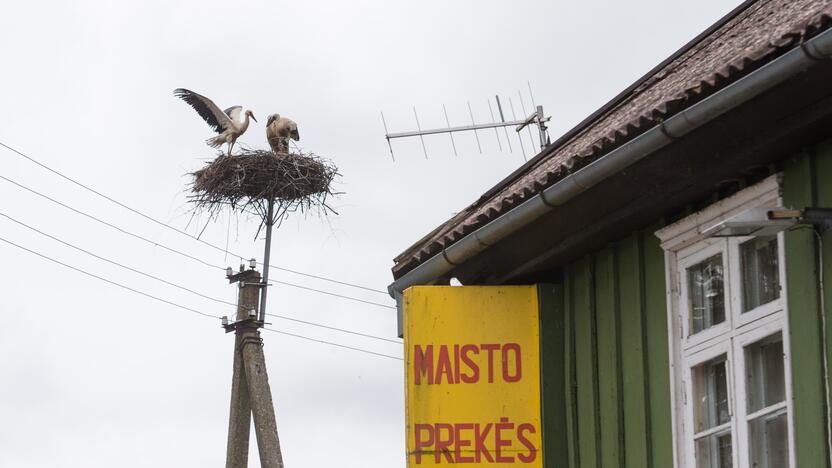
[(743, 90)]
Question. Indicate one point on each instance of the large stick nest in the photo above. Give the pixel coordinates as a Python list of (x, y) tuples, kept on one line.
[(248, 180)]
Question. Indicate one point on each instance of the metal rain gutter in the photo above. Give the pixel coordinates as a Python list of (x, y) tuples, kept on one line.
[(743, 90)]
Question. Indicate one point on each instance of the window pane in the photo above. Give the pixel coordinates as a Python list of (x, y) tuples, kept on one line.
[(760, 275), (710, 390), (706, 298), (765, 373), (769, 441), (714, 451)]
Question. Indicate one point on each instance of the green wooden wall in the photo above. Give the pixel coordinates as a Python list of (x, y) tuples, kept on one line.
[(807, 181), (606, 387)]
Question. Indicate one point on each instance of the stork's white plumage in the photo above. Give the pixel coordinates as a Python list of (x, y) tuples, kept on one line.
[(227, 123), (278, 132)]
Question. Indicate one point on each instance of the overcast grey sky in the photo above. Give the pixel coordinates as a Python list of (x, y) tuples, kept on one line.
[(95, 376)]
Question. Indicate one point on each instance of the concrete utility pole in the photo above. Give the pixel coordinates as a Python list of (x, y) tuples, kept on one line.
[(250, 391)]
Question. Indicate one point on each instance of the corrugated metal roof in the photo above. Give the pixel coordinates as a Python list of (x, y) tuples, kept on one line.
[(750, 37)]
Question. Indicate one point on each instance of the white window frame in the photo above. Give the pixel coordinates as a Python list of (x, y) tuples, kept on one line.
[(684, 246), (688, 259), (769, 327), (744, 318), (695, 359)]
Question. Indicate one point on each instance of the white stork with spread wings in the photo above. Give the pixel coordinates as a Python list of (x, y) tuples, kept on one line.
[(278, 131), (227, 123)]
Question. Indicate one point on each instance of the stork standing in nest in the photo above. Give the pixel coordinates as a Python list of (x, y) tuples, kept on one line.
[(278, 132), (227, 123)]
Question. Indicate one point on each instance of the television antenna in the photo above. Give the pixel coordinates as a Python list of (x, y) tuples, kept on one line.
[(536, 118)]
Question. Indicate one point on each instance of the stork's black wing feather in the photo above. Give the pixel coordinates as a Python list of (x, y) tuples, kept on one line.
[(204, 107)]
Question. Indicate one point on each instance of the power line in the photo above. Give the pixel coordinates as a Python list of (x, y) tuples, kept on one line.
[(142, 293), (335, 328), (162, 280), (332, 294), (79, 270), (113, 262), (171, 249), (334, 344), (99, 220), (180, 231), (322, 278)]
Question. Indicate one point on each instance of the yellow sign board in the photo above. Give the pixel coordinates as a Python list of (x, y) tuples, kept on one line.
[(472, 357)]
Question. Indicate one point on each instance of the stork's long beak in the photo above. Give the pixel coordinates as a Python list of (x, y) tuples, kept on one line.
[(253, 118)]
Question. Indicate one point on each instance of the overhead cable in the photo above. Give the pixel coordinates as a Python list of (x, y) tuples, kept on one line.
[(334, 328), (156, 298), (179, 286), (113, 226), (114, 283), (113, 262), (180, 231), (171, 249), (334, 344), (332, 294)]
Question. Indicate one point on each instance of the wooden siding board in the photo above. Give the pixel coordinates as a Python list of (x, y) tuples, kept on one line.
[(569, 382), (804, 330), (823, 198), (635, 400), (552, 370), (612, 363), (658, 359), (609, 352), (586, 364)]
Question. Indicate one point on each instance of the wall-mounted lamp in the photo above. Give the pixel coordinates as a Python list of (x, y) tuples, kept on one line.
[(769, 221), (753, 222)]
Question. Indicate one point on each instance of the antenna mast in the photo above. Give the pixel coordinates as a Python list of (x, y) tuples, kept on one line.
[(537, 118)]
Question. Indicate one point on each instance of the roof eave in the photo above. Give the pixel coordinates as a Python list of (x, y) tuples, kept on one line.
[(777, 71)]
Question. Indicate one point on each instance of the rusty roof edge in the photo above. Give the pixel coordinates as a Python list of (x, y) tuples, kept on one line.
[(569, 134), (615, 101), (429, 235), (724, 100)]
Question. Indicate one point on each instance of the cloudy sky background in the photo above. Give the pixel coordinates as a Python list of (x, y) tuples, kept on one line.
[(95, 376)]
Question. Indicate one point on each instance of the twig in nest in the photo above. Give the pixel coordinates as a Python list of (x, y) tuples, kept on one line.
[(247, 180)]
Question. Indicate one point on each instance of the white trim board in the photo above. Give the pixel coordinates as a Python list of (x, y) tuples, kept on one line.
[(688, 230)]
